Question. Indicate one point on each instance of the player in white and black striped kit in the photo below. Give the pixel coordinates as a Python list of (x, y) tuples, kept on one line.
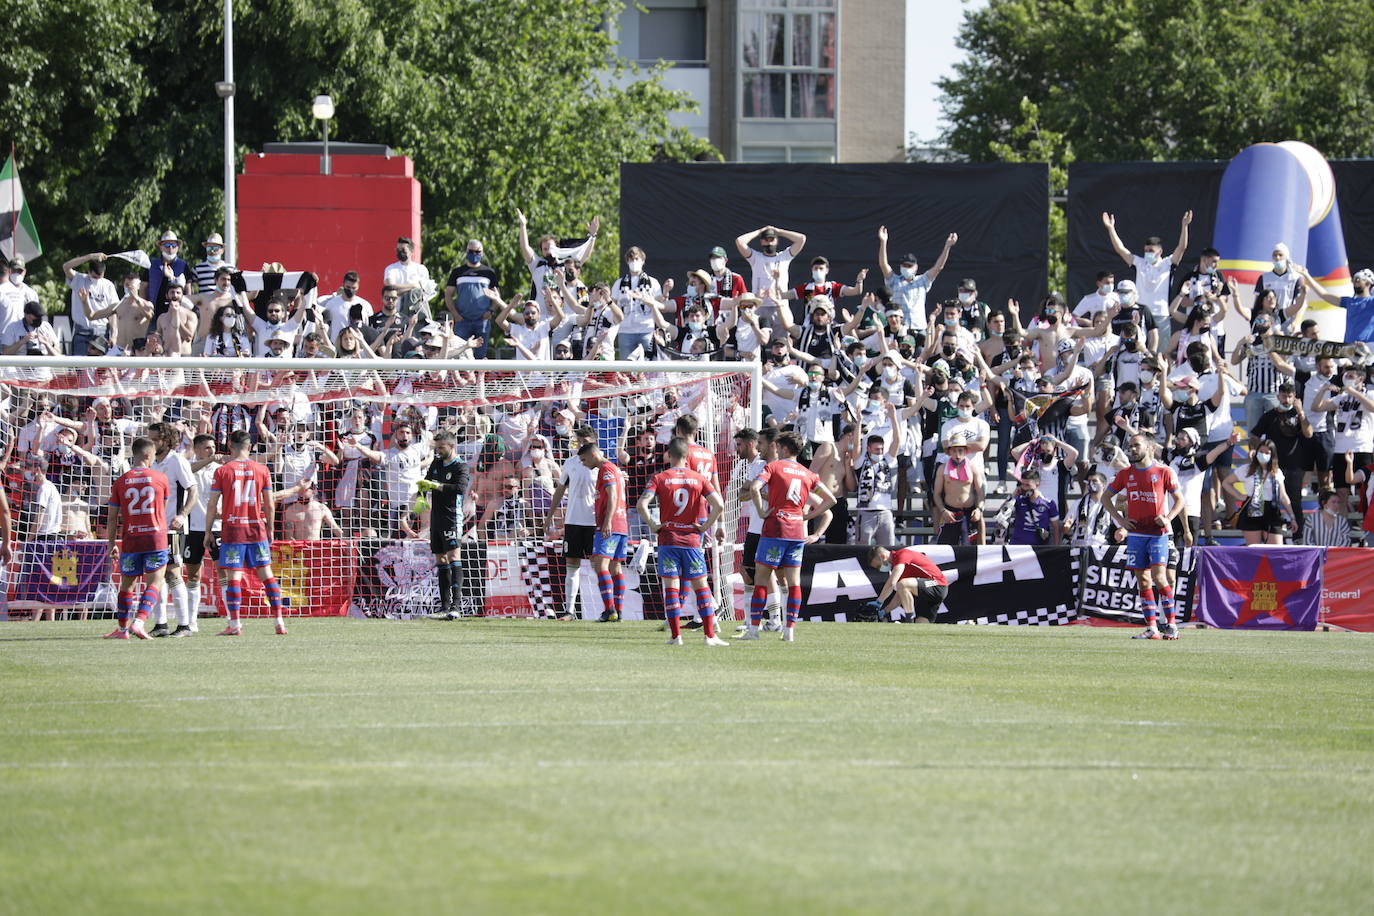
[(181, 498), (193, 551), (756, 450)]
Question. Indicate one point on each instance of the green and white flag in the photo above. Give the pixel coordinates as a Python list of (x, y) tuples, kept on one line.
[(18, 237)]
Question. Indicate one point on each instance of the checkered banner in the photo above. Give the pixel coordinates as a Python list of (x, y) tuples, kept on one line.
[(1108, 589), (1034, 586)]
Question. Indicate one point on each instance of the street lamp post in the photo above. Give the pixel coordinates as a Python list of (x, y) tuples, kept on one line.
[(323, 110), (225, 89)]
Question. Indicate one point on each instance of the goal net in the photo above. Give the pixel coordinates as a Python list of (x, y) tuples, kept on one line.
[(345, 442)]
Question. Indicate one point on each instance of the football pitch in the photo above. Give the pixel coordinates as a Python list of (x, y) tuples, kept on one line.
[(528, 767)]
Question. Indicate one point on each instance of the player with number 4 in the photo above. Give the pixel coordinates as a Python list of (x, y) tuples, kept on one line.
[(682, 495), (138, 503), (796, 496), (244, 488)]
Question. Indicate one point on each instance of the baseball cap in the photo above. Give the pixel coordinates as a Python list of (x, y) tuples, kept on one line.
[(718, 252), (16, 263), (908, 258), (1125, 286)]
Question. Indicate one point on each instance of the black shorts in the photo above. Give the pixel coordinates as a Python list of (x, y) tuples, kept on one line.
[(193, 550), (444, 535), (751, 549), (1321, 451), (176, 547), (838, 532), (1271, 521), (577, 541), (928, 600)]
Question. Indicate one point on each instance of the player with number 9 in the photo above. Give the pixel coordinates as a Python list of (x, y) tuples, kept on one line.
[(138, 503), (243, 488), (683, 495)]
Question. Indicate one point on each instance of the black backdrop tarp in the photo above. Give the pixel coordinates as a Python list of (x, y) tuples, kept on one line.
[(1149, 198), (678, 212)]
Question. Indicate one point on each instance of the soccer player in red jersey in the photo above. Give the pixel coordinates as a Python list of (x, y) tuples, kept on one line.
[(702, 460), (612, 533), (244, 489), (796, 496), (138, 500), (1147, 487), (916, 584), (683, 495)]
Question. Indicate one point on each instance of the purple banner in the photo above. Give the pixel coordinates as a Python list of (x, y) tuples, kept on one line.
[(58, 572), (1265, 588)]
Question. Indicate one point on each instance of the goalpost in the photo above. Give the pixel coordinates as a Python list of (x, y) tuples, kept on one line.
[(352, 543)]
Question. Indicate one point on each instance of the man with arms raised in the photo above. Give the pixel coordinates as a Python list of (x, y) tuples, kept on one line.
[(683, 495), (1146, 487), (244, 487), (795, 497)]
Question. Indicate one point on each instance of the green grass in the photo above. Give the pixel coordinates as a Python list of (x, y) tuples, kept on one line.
[(515, 766)]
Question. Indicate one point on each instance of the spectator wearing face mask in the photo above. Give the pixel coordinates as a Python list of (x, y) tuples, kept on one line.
[(167, 265), (1191, 463), (725, 283), (1053, 464), (1098, 301), (1153, 272), (817, 407), (1282, 279), (1197, 329), (203, 274), (1215, 390), (31, 335), (770, 261), (1089, 524), (698, 293), (1206, 279), (820, 284), (1133, 314), (552, 253), (745, 336), (1264, 371), (973, 312), (1359, 308), (529, 334), (463, 295), (408, 275), (783, 381), (697, 335), (14, 292), (1353, 424), (636, 293), (91, 292), (1003, 332), (972, 430), (1329, 525), (1035, 517), (275, 320), (338, 306), (819, 339), (908, 288), (871, 474)]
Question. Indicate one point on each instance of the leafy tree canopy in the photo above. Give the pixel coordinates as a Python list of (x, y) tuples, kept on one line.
[(502, 105)]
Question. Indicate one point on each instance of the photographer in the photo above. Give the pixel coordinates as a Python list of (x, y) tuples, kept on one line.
[(1035, 519), (31, 335)]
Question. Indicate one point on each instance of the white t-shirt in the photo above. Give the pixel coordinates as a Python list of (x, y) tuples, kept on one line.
[(265, 330), (12, 299), (177, 470), (790, 381), (1152, 286), (47, 511), (404, 468), (16, 331), (400, 273), (876, 479), (296, 464), (535, 339), (336, 309), (100, 293), (1093, 303), (1320, 419), (195, 519), (974, 428), (580, 484), (1219, 420), (751, 513), (1353, 426), (639, 317), (1189, 481), (761, 263), (1284, 285)]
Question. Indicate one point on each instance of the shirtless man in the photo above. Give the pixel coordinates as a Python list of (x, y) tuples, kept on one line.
[(304, 518), (1053, 325), (131, 317), (829, 465), (958, 496), (212, 300), (178, 325)]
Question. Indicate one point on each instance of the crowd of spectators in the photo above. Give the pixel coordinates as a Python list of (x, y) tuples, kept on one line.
[(958, 420)]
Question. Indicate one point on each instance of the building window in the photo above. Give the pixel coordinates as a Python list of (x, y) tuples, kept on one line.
[(787, 59), (673, 34), (760, 152)]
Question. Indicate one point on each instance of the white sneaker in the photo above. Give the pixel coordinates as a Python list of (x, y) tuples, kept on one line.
[(715, 641), (674, 640), (750, 633), (772, 625), (788, 634)]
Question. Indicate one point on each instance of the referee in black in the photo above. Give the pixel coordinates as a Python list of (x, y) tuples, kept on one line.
[(446, 484)]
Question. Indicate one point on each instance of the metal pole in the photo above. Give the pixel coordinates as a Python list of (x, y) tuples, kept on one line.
[(325, 167), (230, 197)]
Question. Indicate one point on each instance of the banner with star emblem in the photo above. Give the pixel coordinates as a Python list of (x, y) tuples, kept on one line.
[(58, 573), (1265, 588)]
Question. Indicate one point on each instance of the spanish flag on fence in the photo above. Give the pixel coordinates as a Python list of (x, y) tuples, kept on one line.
[(18, 237)]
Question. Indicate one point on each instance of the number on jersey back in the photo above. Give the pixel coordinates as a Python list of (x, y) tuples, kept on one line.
[(242, 486), (681, 494), (141, 495)]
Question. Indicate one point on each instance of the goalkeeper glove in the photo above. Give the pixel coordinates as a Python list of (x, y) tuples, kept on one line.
[(424, 486)]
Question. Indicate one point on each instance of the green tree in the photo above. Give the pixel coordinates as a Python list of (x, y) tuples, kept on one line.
[(1165, 79), (501, 105)]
